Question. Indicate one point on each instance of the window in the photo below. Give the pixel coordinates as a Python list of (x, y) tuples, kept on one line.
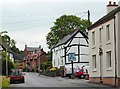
[(54, 62), (108, 32), (108, 55), (93, 38), (62, 61), (94, 61), (58, 61), (100, 35)]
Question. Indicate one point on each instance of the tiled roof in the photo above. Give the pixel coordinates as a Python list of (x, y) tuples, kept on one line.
[(33, 48), (107, 17), (18, 56)]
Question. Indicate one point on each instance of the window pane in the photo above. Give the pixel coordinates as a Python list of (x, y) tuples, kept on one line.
[(109, 59), (100, 35), (108, 32), (93, 38), (94, 61)]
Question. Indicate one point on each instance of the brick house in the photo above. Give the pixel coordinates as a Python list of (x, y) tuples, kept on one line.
[(104, 47), (33, 57)]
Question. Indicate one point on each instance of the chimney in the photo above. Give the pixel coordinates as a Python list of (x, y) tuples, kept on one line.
[(40, 46), (119, 3), (25, 46), (111, 6)]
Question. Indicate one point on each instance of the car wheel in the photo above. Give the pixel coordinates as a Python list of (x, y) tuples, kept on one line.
[(11, 82), (23, 81), (82, 76)]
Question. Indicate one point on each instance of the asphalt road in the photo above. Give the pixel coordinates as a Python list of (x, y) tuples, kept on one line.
[(33, 80)]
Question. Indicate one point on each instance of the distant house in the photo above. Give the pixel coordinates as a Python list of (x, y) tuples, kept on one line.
[(104, 47), (18, 57), (33, 57), (10, 54), (77, 43)]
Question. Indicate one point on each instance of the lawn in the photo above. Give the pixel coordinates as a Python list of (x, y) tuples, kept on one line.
[(5, 81)]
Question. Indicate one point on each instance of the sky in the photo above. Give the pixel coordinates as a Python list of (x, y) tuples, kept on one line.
[(29, 21)]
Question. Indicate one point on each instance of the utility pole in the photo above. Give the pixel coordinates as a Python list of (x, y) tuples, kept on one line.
[(39, 55), (88, 18), (6, 63)]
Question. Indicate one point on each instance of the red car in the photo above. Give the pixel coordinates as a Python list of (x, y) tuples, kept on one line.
[(17, 77), (82, 73)]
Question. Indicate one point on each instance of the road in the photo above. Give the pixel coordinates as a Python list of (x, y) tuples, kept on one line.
[(33, 80)]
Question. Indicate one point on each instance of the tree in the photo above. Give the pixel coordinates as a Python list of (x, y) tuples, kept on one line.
[(63, 26), (10, 44), (45, 65), (10, 64)]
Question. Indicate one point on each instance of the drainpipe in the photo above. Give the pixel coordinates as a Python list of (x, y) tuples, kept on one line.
[(100, 53), (115, 52)]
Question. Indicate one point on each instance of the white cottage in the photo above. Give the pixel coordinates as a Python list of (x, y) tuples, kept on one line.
[(104, 47), (76, 42)]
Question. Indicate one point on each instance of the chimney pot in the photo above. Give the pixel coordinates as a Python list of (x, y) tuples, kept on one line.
[(25, 46), (114, 3), (109, 2)]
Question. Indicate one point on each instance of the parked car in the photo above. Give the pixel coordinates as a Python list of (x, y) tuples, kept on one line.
[(81, 73), (17, 76)]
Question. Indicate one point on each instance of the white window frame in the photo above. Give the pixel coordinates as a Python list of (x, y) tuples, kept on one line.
[(108, 32), (93, 38), (100, 35), (94, 62), (109, 59)]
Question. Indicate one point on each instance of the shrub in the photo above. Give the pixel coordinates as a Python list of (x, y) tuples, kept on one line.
[(5, 81), (24, 69)]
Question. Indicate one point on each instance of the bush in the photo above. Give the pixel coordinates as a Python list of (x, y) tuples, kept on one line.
[(45, 65), (24, 69), (5, 81), (49, 73)]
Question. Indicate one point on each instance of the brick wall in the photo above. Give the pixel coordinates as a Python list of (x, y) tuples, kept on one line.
[(109, 81), (94, 80), (118, 82)]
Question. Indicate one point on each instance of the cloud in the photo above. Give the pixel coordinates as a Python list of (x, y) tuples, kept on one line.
[(31, 37)]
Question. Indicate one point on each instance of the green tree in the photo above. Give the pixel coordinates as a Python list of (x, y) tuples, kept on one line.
[(63, 26), (45, 65), (10, 64), (10, 44)]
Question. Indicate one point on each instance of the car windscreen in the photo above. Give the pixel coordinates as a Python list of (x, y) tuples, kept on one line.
[(16, 74)]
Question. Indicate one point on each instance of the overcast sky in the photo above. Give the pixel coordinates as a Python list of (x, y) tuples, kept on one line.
[(29, 21)]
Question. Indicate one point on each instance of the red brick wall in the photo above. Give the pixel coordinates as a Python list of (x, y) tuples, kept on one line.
[(109, 81), (94, 80), (118, 82)]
